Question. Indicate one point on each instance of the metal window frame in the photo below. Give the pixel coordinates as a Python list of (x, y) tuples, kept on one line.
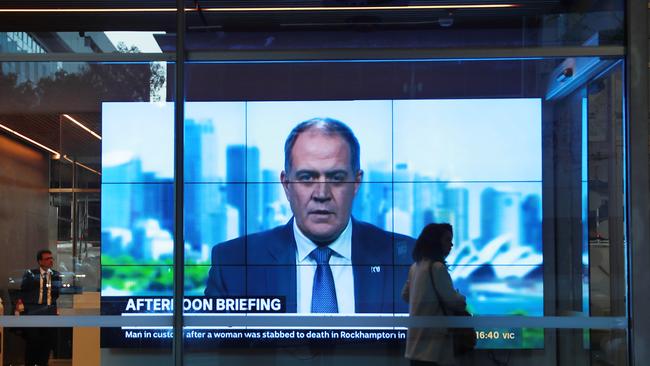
[(319, 55), (179, 179), (638, 233)]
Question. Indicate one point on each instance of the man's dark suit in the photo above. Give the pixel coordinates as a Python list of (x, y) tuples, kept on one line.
[(264, 264), (30, 291), (40, 341)]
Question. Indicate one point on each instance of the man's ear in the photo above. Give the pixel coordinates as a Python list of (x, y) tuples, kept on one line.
[(285, 182), (357, 180)]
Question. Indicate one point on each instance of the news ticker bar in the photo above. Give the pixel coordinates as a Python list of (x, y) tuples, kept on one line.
[(329, 321)]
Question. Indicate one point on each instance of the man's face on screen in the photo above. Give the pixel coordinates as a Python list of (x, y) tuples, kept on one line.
[(321, 185)]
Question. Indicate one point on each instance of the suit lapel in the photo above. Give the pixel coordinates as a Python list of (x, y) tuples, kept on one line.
[(281, 272), (370, 275)]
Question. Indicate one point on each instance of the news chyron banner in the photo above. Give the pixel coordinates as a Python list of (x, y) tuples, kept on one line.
[(134, 337), (251, 220)]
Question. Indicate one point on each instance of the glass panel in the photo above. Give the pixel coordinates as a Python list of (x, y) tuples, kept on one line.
[(607, 239), (524, 158), (78, 182), (81, 345), (501, 150)]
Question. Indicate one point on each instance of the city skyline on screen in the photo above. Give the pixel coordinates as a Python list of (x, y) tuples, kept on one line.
[(229, 142), (473, 163)]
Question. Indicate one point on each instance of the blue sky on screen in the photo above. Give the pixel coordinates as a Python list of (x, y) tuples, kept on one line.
[(467, 140), (470, 139), (139, 130)]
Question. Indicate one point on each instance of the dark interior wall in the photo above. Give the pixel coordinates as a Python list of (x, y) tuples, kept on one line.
[(24, 207)]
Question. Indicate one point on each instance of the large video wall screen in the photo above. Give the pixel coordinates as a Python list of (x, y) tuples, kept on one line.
[(251, 216)]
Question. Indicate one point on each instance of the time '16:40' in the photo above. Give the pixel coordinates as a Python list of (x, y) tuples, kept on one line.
[(494, 334)]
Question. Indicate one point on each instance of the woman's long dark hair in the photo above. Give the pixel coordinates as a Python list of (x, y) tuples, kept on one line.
[(428, 245)]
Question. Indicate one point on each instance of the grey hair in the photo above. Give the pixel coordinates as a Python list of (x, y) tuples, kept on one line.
[(329, 127)]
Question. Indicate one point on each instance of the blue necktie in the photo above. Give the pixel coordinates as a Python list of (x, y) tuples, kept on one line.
[(323, 296)]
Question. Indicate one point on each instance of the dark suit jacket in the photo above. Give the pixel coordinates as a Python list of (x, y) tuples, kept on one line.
[(264, 264), (30, 288)]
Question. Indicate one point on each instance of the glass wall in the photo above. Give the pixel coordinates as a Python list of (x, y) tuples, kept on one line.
[(321, 129), (58, 190), (510, 163)]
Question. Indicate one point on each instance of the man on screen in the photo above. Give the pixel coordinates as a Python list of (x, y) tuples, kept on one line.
[(322, 260)]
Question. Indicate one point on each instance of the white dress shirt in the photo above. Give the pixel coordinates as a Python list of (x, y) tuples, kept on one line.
[(48, 282), (340, 263)]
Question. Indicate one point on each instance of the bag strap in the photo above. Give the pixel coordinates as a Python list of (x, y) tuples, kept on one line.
[(433, 283)]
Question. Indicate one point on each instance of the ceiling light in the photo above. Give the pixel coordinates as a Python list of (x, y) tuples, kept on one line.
[(82, 126), (261, 9), (87, 10), (56, 154), (81, 165), (347, 8)]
